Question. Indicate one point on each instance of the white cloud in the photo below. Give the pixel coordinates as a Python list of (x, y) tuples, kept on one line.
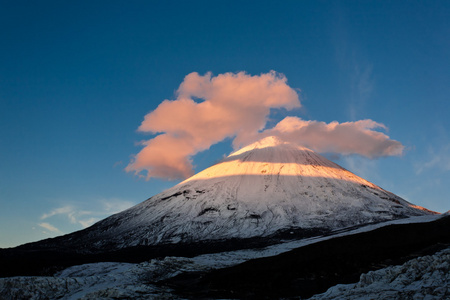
[(49, 227), (73, 214), (115, 205), (58, 211), (88, 222), (439, 159), (70, 214)]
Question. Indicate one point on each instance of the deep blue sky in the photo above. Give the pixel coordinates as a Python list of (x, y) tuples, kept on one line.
[(77, 78)]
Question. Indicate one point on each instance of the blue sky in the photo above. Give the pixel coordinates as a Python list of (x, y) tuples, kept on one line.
[(77, 79)]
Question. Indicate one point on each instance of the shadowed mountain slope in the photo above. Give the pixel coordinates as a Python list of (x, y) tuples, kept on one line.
[(263, 189), (312, 269), (259, 195)]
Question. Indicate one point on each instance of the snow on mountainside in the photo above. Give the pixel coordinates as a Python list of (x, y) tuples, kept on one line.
[(269, 190), (261, 190), (427, 275)]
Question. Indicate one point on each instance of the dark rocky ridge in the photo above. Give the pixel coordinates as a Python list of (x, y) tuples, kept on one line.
[(313, 269), (45, 257)]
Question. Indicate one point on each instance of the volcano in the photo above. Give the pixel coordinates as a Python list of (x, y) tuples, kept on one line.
[(267, 189), (270, 220)]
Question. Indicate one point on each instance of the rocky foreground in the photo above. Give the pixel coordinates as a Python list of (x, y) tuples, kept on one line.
[(402, 259), (426, 277)]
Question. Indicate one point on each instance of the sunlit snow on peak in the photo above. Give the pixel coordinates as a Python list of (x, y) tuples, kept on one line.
[(264, 189), (270, 141), (273, 157)]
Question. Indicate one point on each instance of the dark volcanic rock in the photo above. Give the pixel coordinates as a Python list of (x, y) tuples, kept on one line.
[(43, 258), (314, 268)]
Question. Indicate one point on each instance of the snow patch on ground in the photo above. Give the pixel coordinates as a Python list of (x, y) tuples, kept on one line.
[(116, 280), (426, 277), (89, 281)]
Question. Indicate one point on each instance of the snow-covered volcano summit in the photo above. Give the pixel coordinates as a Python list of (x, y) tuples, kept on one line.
[(263, 189)]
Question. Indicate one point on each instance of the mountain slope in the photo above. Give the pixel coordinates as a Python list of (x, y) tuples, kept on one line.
[(272, 272), (264, 189), (313, 268)]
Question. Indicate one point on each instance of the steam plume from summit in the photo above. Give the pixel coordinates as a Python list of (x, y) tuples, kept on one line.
[(210, 108)]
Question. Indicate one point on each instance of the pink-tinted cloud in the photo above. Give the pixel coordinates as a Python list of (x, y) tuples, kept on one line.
[(345, 138), (207, 110)]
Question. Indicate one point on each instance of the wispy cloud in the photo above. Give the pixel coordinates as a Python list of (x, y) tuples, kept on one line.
[(81, 217), (357, 76), (437, 158), (57, 211), (87, 222), (49, 227), (73, 214), (115, 205), (361, 87)]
